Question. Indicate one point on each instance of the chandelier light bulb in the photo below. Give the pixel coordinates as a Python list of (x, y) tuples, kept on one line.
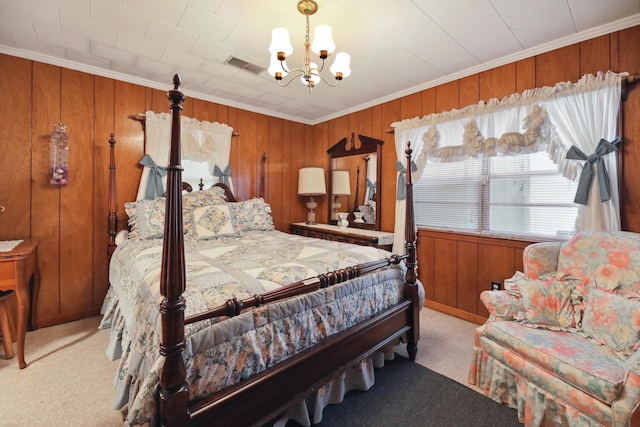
[(277, 67), (314, 77), (323, 44), (341, 65), (280, 42)]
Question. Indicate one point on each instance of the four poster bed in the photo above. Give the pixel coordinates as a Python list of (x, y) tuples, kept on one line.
[(230, 322)]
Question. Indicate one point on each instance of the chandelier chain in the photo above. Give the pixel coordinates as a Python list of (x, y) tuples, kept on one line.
[(306, 37)]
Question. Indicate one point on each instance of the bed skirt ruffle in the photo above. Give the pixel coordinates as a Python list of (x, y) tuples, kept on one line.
[(306, 412), (360, 377), (135, 393)]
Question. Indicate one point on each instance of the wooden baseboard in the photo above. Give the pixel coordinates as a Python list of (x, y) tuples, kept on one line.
[(456, 312), (43, 322)]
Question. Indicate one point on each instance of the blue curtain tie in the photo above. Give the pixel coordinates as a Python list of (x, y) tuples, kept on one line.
[(372, 188), (223, 175), (603, 148), (156, 173), (401, 191)]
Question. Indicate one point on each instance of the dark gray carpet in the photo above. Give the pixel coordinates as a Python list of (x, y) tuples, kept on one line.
[(408, 394)]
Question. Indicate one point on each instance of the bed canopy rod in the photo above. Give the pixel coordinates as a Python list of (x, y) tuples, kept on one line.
[(141, 117)]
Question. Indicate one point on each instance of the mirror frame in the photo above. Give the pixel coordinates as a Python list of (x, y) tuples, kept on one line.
[(345, 148)]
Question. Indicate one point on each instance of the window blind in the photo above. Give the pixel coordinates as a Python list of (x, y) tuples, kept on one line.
[(518, 195)]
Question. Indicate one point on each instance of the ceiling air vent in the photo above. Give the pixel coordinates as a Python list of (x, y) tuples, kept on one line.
[(241, 63)]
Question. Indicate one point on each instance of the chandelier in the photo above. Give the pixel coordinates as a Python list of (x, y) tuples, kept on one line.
[(322, 46)]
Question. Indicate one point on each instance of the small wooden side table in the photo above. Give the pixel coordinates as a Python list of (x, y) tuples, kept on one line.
[(19, 271)]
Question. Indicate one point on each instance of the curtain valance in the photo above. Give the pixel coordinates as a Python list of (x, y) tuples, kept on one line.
[(550, 118)]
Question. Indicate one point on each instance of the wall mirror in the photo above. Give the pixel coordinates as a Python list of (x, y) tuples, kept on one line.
[(353, 182)]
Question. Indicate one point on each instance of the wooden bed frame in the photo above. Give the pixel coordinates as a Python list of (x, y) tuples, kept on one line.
[(264, 397)]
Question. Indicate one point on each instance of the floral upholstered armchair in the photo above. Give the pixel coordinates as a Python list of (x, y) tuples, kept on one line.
[(562, 341)]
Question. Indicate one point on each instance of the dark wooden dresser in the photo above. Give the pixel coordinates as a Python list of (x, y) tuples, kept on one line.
[(379, 239)]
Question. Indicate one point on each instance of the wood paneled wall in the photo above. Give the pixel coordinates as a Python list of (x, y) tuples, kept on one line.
[(70, 221), (456, 268)]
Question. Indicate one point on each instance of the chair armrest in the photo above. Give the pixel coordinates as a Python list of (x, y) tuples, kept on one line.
[(500, 304), (633, 362), (541, 258)]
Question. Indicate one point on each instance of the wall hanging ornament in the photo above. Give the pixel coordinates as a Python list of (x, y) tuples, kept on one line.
[(59, 155)]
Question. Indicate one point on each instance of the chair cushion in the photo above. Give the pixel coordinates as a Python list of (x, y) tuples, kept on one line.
[(591, 368)]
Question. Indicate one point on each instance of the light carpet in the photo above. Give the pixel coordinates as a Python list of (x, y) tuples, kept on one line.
[(68, 380)]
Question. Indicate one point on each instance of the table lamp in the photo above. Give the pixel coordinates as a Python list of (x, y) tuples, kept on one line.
[(311, 183), (341, 186)]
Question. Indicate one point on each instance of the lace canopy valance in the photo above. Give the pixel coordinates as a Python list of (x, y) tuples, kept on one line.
[(201, 142)]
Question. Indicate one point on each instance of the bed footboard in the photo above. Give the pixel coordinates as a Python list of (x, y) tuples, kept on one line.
[(271, 393)]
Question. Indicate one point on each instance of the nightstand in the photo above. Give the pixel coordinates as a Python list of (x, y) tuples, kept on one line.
[(19, 271), (358, 236)]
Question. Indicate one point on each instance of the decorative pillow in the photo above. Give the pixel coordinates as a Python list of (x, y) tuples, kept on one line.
[(146, 218), (252, 214), (511, 286), (612, 320), (197, 199), (547, 303), (212, 221)]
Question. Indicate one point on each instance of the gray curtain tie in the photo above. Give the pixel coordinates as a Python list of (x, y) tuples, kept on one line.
[(603, 148), (156, 173), (223, 175), (401, 191), (372, 188)]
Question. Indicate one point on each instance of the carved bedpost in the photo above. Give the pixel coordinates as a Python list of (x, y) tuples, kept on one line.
[(263, 176), (174, 394), (411, 276), (113, 198)]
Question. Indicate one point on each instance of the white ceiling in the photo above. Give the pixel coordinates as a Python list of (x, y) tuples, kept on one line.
[(397, 47)]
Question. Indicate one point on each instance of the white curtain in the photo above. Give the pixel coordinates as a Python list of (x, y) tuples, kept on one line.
[(158, 137), (200, 141), (584, 116), (371, 178), (402, 136), (550, 118)]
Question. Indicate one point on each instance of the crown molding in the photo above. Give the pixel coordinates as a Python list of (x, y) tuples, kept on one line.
[(546, 47)]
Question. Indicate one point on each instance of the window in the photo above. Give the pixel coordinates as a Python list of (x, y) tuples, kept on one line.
[(520, 195), (194, 172)]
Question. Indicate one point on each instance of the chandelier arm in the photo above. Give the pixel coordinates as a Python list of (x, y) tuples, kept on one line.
[(284, 69), (298, 72), (327, 81), (321, 66)]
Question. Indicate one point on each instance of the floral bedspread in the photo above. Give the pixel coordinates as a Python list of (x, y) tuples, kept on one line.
[(219, 352)]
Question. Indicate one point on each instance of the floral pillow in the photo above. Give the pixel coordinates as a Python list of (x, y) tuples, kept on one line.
[(197, 199), (212, 221), (547, 303), (146, 218), (612, 320), (252, 214), (515, 304)]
